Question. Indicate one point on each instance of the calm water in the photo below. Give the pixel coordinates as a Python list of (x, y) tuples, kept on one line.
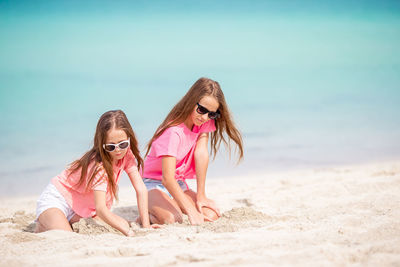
[(309, 86)]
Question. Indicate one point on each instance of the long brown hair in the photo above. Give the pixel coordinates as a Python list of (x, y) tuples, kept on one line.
[(114, 119), (224, 124)]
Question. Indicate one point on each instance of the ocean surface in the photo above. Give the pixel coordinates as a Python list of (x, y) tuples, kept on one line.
[(310, 83)]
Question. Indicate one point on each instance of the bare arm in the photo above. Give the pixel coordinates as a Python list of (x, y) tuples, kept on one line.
[(201, 158), (141, 196), (107, 216), (168, 170)]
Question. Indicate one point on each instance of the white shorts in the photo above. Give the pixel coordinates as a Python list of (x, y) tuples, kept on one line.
[(52, 198)]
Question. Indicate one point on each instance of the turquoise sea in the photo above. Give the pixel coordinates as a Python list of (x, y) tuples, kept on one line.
[(310, 83)]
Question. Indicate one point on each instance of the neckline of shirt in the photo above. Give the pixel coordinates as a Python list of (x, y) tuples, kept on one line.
[(186, 129)]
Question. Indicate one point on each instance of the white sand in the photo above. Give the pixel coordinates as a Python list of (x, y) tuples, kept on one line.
[(332, 217)]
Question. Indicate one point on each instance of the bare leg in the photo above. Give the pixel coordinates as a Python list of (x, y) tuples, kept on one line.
[(52, 219), (207, 212), (163, 209)]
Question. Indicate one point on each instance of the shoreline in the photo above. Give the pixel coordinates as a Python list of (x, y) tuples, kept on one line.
[(325, 216)]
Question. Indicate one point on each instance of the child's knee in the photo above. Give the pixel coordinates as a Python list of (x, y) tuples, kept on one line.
[(169, 218)]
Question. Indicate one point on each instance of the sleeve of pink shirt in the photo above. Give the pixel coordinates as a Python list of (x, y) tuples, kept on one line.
[(100, 180), (208, 127), (167, 144), (130, 162)]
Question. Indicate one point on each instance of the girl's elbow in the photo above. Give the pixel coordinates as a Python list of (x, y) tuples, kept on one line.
[(165, 182), (101, 211)]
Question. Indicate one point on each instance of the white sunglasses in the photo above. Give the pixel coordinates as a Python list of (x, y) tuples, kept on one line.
[(121, 145)]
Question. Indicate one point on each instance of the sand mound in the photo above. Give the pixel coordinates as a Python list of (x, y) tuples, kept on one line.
[(230, 221), (236, 219), (21, 220), (89, 226)]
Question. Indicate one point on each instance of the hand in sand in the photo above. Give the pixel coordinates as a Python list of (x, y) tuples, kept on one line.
[(207, 203), (154, 226), (195, 217), (150, 226)]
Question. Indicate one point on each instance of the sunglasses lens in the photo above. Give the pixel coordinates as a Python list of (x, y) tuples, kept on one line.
[(124, 145), (213, 115), (109, 148), (202, 110)]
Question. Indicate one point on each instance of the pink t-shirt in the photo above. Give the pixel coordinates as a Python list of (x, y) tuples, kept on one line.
[(81, 200), (179, 142)]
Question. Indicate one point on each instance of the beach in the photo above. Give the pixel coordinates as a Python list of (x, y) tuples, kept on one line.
[(336, 216), (314, 89)]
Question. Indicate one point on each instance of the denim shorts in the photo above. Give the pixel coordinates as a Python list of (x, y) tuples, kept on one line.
[(52, 198), (157, 184)]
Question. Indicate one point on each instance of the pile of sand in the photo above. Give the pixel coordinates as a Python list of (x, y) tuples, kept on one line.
[(230, 221)]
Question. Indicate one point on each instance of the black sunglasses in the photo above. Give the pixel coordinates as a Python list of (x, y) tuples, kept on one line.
[(202, 110)]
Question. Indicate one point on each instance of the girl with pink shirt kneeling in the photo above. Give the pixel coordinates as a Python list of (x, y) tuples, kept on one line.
[(89, 185), (179, 151)]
